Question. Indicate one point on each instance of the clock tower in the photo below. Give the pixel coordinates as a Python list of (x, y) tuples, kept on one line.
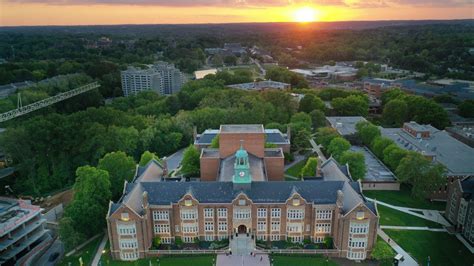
[(241, 167)]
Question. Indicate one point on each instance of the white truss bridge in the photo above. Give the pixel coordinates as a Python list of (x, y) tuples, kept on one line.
[(22, 110)]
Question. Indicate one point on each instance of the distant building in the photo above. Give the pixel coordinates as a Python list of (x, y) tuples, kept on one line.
[(235, 49), (22, 229), (272, 136), (338, 72), (161, 77), (460, 207), (240, 199), (465, 134), (345, 125), (261, 85), (200, 74)]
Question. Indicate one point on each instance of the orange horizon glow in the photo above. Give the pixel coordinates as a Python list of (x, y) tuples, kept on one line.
[(27, 14)]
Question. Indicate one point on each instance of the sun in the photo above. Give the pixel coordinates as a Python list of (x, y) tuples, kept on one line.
[(305, 14)]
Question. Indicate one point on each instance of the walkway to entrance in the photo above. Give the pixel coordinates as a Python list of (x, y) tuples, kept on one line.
[(243, 260), (242, 244)]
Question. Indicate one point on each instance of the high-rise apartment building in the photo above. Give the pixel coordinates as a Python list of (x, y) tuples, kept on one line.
[(162, 78)]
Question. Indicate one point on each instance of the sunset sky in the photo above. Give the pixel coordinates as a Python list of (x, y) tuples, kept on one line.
[(90, 12)]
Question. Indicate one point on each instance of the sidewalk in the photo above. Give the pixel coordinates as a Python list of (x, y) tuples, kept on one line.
[(418, 228), (98, 254), (298, 158), (409, 261), (317, 148), (431, 215)]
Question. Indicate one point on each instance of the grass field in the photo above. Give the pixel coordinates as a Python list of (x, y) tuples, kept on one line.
[(390, 216), (282, 260), (87, 253), (443, 249), (190, 260), (403, 198), (296, 169)]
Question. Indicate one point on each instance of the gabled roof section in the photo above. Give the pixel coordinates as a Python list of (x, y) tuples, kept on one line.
[(153, 171), (332, 171)]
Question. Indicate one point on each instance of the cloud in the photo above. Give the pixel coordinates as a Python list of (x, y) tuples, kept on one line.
[(188, 3), (258, 3)]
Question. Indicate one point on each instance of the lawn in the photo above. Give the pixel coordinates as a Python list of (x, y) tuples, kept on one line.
[(301, 260), (87, 253), (183, 260), (389, 216), (403, 198), (296, 169), (443, 249)]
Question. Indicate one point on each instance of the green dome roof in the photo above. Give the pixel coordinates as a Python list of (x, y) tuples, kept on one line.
[(241, 153)]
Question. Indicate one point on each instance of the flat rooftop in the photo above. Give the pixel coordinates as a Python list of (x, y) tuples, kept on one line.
[(456, 156), (242, 129), (345, 125), (272, 136), (376, 170)]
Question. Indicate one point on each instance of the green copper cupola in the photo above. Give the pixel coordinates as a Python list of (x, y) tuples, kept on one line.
[(241, 167)]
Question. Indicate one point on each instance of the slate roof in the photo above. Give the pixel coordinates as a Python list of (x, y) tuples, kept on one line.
[(272, 136), (455, 155)]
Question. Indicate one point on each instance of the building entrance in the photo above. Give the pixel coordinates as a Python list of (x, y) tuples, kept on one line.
[(242, 229)]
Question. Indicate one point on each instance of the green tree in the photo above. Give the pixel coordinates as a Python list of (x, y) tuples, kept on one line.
[(310, 103), (68, 233), (353, 105), (392, 155), (146, 157), (325, 135), (367, 132), (300, 139), (356, 162), (156, 242), (417, 170), (395, 112), (379, 144), (310, 167), (215, 142), (318, 119), (392, 94), (191, 164), (337, 146), (302, 118), (120, 168), (466, 108)]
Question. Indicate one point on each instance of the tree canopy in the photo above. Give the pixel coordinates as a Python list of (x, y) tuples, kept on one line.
[(190, 163), (120, 167)]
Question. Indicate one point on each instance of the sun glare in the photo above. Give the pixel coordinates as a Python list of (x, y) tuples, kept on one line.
[(305, 14)]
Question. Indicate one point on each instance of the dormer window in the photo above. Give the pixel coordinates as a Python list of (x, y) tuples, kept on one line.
[(296, 202), (360, 215), (241, 202), (188, 203), (124, 216)]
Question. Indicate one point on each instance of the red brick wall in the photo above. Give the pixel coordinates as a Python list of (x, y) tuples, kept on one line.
[(275, 168), (209, 168), (229, 143)]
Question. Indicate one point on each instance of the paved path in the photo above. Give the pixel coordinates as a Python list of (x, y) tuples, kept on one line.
[(98, 254), (242, 245), (419, 228), (431, 215), (317, 148), (243, 260), (409, 261), (298, 158), (58, 247)]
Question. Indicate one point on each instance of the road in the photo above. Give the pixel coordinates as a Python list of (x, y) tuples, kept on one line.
[(264, 72), (57, 246)]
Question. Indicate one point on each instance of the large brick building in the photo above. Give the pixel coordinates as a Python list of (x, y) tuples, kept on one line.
[(460, 207), (240, 200)]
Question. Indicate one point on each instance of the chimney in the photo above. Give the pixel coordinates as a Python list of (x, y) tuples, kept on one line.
[(164, 163), (288, 132), (340, 199), (145, 199), (194, 132)]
